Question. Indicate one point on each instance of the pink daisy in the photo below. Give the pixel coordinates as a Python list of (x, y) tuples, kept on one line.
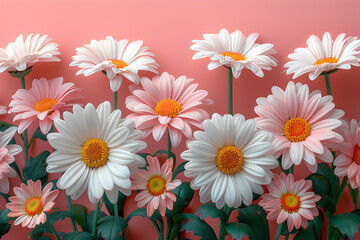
[(3, 110), (304, 124), (156, 185), (7, 153), (167, 103), (290, 200), (348, 162), (30, 203), (43, 101)]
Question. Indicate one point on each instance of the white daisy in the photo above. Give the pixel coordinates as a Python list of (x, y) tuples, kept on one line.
[(95, 149), (116, 59), (229, 160), (324, 57), (236, 51)]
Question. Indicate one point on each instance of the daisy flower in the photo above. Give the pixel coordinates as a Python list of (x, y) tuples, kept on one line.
[(44, 101), (324, 57), (348, 161), (167, 103), (304, 124), (229, 160), (7, 153), (290, 200), (31, 203), (95, 150), (236, 51), (116, 59), (156, 184), (20, 55), (3, 110)]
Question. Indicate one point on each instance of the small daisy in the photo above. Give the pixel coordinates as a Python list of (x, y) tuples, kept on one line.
[(304, 124), (167, 103), (156, 184), (44, 101), (7, 153), (31, 203), (290, 200), (116, 59), (324, 57), (236, 51), (20, 55), (95, 150), (348, 162), (229, 161)]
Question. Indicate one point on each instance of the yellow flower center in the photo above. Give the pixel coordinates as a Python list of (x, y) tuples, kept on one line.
[(95, 153), (168, 107), (290, 202), (356, 156), (156, 185), (326, 60), (297, 129), (45, 104), (229, 159), (118, 63), (33, 206), (234, 55)]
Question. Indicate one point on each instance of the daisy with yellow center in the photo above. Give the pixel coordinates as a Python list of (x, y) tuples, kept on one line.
[(290, 200), (31, 203), (167, 103), (117, 59), (235, 51), (324, 56), (305, 124), (95, 150), (229, 160), (156, 184), (43, 102)]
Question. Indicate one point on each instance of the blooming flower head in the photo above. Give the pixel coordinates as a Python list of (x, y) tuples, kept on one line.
[(236, 51), (31, 203), (167, 103), (290, 200), (304, 124), (348, 161), (7, 153), (20, 55), (324, 57), (156, 184), (116, 59), (44, 101), (229, 160), (95, 150)]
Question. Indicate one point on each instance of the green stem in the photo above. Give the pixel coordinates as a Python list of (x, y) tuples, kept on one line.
[(33, 137), (96, 218), (115, 100), (223, 223), (26, 146), (53, 230), (328, 226), (287, 237), (116, 209), (22, 82), (69, 205), (230, 91), (328, 85), (341, 190), (278, 231), (169, 149)]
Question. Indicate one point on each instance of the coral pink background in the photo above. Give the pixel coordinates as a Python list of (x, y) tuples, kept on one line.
[(168, 27)]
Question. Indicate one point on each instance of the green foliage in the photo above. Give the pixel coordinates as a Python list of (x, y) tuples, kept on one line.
[(179, 169), (316, 226), (38, 231), (80, 215), (35, 168), (347, 223), (305, 235), (90, 221), (254, 217), (38, 134), (240, 230), (210, 210), (120, 202), (354, 193), (58, 215), (196, 225), (111, 227), (78, 236), (4, 222)]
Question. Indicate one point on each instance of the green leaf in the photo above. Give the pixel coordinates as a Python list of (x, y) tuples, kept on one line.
[(255, 217), (240, 230), (210, 210), (78, 236), (120, 202), (4, 222), (90, 221), (320, 183), (165, 152), (334, 234), (40, 135), (316, 225), (5, 196), (111, 227), (80, 215), (45, 238), (285, 230), (354, 193), (35, 168), (142, 213), (56, 216), (184, 195), (305, 235), (197, 225), (37, 232), (347, 223), (179, 169)]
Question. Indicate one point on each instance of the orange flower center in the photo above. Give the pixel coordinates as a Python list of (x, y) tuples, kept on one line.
[(229, 159), (326, 60), (234, 55), (168, 107), (297, 129), (95, 153), (45, 104), (356, 156), (290, 202), (33, 206), (156, 185), (118, 63)]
